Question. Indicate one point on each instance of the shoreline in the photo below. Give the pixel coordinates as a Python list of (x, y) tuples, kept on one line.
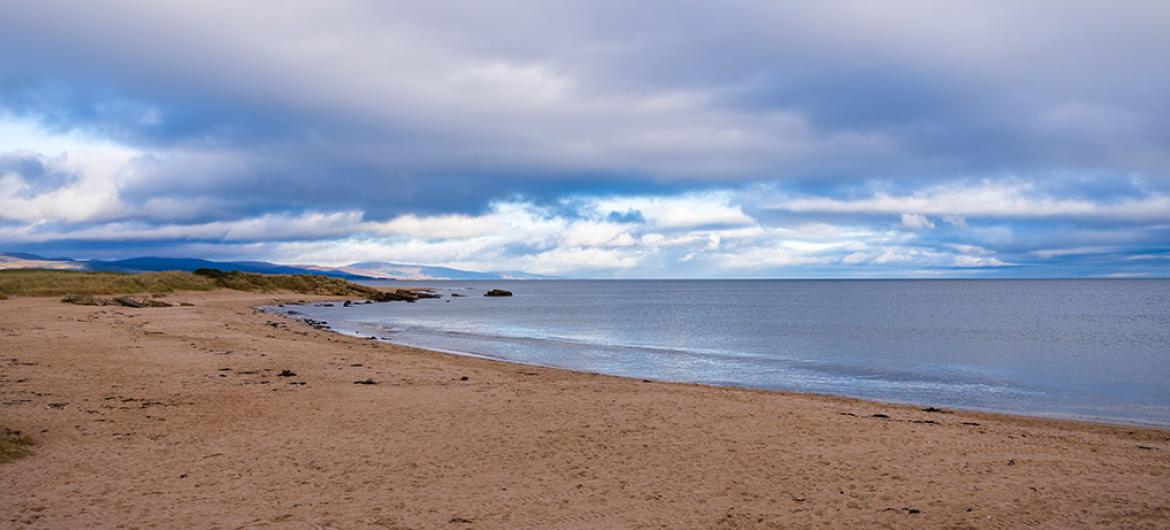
[(1099, 420), (170, 417)]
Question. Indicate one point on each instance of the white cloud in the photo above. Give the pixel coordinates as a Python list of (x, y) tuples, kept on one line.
[(974, 250), (439, 226), (698, 234), (994, 199), (955, 220), (916, 221), (979, 261), (1049, 253), (92, 195), (686, 211), (776, 255)]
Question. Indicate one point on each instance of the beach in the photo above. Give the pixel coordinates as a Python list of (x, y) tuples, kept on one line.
[(218, 415)]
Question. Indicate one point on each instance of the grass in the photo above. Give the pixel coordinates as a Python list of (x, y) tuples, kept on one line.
[(297, 283), (28, 282), (33, 282), (13, 444)]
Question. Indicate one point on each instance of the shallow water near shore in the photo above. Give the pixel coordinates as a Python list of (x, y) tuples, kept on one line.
[(1091, 349)]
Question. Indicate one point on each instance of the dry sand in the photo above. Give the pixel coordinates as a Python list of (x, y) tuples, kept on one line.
[(177, 418)]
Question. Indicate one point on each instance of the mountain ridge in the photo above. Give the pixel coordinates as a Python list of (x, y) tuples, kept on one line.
[(367, 270)]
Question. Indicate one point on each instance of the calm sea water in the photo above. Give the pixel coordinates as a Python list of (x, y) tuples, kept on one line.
[(1096, 349)]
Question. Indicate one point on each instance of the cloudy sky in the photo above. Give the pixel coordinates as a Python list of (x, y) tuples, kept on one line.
[(594, 138)]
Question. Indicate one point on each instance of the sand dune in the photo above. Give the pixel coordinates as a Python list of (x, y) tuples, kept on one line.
[(181, 418)]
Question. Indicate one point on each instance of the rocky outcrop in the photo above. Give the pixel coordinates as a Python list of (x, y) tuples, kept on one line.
[(498, 292), (82, 299), (137, 301), (124, 301), (401, 295)]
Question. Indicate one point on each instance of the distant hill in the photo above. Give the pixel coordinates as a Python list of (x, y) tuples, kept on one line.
[(21, 260), (404, 271), (153, 264), (368, 270)]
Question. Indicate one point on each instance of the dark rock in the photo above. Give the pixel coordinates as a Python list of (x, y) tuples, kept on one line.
[(365, 382), (457, 295), (286, 373), (936, 410), (498, 292), (459, 520), (130, 301), (464, 378), (317, 324), (929, 422), (347, 304), (972, 423), (81, 299), (878, 416), (326, 305), (397, 295), (1146, 447)]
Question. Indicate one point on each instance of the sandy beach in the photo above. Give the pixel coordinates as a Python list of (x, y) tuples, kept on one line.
[(220, 416)]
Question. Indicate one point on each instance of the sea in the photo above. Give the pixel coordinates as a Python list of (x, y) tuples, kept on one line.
[(1093, 349)]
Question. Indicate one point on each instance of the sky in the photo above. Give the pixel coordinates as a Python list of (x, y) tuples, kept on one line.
[(595, 139)]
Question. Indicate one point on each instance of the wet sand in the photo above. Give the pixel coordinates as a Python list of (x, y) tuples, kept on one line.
[(180, 418)]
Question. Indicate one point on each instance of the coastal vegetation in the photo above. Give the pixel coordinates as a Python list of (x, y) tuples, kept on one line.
[(60, 282), (37, 282)]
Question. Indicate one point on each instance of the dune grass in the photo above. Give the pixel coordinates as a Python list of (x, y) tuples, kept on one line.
[(297, 283), (27, 282), (31, 282), (13, 444)]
